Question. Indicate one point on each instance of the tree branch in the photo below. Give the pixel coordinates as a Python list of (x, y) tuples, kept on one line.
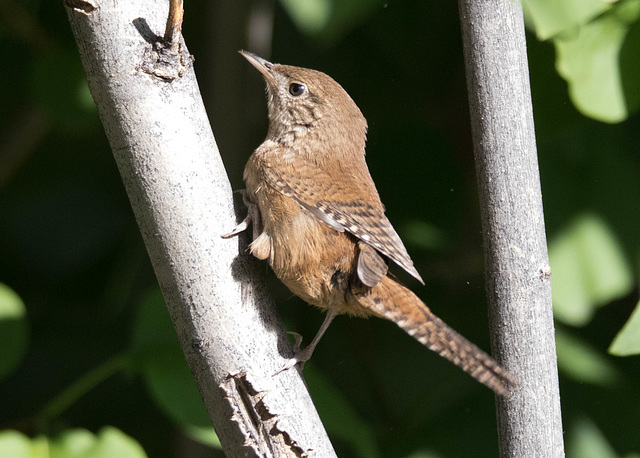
[(516, 260), (153, 116)]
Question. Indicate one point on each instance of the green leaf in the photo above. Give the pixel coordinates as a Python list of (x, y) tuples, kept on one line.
[(329, 20), (424, 235), (550, 17), (59, 87), (311, 16), (627, 341), (601, 78), (582, 362), (14, 330), (173, 389), (159, 357), (424, 454), (587, 441), (152, 329), (588, 270), (110, 442), (17, 445), (340, 419)]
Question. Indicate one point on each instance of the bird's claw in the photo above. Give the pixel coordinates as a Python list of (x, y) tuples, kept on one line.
[(288, 365), (246, 221), (300, 356), (238, 229), (298, 340)]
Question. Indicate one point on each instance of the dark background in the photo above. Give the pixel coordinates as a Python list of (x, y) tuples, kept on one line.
[(70, 247)]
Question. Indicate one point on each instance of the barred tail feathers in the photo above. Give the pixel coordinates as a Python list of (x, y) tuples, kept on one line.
[(392, 301)]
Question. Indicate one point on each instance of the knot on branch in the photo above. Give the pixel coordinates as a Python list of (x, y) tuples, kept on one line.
[(165, 60)]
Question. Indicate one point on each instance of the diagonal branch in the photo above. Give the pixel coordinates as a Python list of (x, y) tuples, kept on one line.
[(158, 129)]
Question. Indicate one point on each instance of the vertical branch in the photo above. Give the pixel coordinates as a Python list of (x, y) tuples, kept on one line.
[(150, 106), (516, 261)]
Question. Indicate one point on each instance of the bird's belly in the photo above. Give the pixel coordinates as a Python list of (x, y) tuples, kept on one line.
[(314, 261)]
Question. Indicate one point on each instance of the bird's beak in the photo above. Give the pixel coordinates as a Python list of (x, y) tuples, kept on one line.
[(263, 65)]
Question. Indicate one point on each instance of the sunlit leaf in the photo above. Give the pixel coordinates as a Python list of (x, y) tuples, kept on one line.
[(627, 342), (329, 20), (166, 373), (587, 441), (14, 330), (424, 454), (311, 16), (601, 79), (583, 363), (550, 17), (17, 445), (110, 442), (588, 268), (597, 44)]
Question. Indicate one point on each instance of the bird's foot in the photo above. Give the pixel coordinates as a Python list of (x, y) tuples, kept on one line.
[(239, 228), (300, 356)]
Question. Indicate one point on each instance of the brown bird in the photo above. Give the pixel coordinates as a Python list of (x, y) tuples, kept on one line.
[(318, 219)]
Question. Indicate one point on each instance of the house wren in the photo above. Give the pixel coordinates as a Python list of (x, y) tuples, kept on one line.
[(318, 219)]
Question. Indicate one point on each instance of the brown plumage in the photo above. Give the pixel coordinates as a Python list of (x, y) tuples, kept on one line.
[(317, 218)]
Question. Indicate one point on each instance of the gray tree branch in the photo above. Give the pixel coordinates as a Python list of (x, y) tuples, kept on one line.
[(516, 261), (151, 109)]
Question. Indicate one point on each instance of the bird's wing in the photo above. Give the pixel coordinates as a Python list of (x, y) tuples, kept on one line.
[(346, 201)]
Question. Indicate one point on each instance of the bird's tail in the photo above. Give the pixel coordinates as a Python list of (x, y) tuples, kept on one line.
[(392, 301)]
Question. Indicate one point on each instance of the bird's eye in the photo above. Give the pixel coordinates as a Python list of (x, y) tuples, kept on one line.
[(297, 89)]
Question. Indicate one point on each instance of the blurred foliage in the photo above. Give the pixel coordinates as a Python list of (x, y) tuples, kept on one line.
[(328, 21), (596, 43), (14, 330), (110, 442), (90, 365), (627, 342), (590, 270), (158, 356)]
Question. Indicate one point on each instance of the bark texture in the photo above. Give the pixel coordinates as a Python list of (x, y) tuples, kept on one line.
[(516, 260), (148, 100)]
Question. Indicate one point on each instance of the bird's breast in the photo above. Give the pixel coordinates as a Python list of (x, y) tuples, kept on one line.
[(313, 260)]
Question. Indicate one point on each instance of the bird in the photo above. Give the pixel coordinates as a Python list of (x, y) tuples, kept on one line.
[(317, 218)]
